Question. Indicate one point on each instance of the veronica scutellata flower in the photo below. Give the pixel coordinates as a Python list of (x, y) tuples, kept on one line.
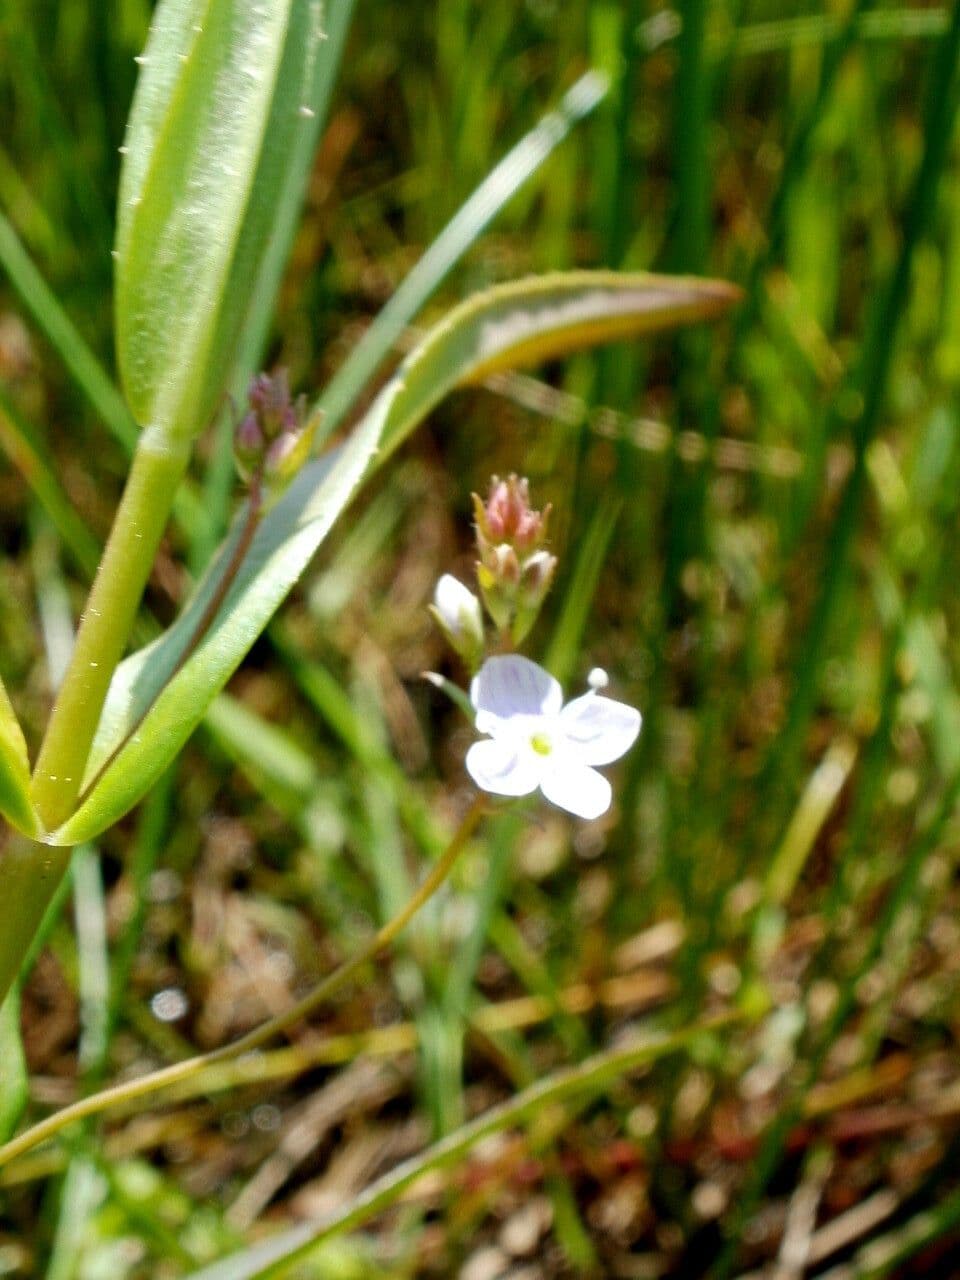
[(534, 741)]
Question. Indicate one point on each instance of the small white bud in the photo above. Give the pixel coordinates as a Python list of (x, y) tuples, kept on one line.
[(598, 678), (456, 604), (458, 613)]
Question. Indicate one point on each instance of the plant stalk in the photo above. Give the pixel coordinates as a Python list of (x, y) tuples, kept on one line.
[(29, 876), (156, 472)]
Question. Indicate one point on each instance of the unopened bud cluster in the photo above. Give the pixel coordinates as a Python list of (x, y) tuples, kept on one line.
[(274, 437), (514, 573)]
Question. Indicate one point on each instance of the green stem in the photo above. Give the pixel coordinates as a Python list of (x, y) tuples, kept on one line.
[(30, 874), (156, 472), (178, 1071), (237, 557), (692, 121)]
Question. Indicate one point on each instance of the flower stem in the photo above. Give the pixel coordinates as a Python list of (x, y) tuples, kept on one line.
[(130, 1090), (156, 472), (251, 522)]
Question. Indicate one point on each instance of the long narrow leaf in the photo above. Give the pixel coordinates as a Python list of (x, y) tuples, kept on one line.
[(318, 79), (15, 803), (312, 113), (13, 1066), (215, 119)]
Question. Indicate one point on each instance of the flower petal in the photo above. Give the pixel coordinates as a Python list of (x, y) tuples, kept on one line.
[(458, 607), (600, 730), (503, 769), (507, 687), (577, 788)]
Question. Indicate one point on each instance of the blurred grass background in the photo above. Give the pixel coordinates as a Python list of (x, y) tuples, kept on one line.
[(756, 526)]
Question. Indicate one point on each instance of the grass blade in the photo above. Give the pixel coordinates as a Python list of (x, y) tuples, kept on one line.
[(273, 1256), (516, 168), (59, 330)]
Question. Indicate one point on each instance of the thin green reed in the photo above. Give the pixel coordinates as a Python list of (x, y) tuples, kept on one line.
[(40, 302), (44, 117), (693, 101), (838, 40), (613, 378), (79, 1190), (917, 599), (692, 106), (871, 377), (613, 375), (691, 121), (797, 158), (47, 312), (683, 515), (795, 162), (869, 384)]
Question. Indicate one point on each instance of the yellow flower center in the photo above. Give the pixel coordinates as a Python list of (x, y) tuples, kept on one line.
[(541, 744)]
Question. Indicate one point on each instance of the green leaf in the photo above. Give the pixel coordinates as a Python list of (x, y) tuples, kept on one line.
[(13, 1066), (215, 120), (252, 341), (15, 803), (318, 75), (159, 695)]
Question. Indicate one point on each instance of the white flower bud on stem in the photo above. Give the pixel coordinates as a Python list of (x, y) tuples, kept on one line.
[(458, 614)]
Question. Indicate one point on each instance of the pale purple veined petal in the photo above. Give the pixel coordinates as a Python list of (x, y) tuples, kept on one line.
[(502, 768), (509, 687), (577, 788), (598, 729)]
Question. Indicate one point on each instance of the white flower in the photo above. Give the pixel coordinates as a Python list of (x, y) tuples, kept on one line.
[(458, 613), (535, 741)]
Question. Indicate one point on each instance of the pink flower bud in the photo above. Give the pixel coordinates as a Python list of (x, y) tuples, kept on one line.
[(505, 507), (514, 571), (248, 445), (269, 397)]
